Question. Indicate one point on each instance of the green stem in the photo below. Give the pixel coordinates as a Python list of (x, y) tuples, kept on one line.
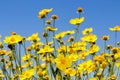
[(24, 46), (76, 35), (37, 56), (104, 46), (5, 70), (117, 73), (20, 57), (54, 39), (79, 15), (115, 38), (46, 38), (112, 69), (44, 24), (53, 23), (14, 55)]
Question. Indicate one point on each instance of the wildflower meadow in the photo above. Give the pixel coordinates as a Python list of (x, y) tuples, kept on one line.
[(66, 55)]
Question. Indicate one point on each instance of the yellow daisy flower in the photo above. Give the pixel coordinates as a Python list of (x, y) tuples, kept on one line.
[(34, 37), (89, 38), (13, 39), (115, 28), (87, 31), (44, 12), (46, 49), (63, 62), (27, 74), (76, 21)]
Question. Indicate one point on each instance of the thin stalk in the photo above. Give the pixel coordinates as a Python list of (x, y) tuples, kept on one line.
[(112, 69), (24, 46), (5, 70), (104, 46), (87, 76), (53, 23), (11, 71), (115, 38), (44, 24), (77, 29), (46, 38), (79, 15), (14, 55), (20, 57), (54, 39), (76, 35), (52, 71), (118, 72)]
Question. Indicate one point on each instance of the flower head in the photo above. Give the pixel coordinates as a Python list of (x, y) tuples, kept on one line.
[(87, 31), (27, 74), (46, 49), (85, 65), (44, 12), (50, 28), (76, 21), (26, 57), (54, 17), (89, 38), (2, 52), (115, 28), (94, 49), (13, 39), (99, 58), (1, 74), (59, 35), (83, 54), (69, 32), (73, 57), (63, 62), (70, 71), (105, 38), (113, 77), (34, 37), (79, 10)]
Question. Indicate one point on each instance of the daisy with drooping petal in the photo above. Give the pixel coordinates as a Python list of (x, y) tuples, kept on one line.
[(44, 12), (115, 28), (76, 21), (34, 37)]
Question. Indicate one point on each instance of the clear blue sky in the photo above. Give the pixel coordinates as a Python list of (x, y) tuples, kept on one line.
[(21, 15)]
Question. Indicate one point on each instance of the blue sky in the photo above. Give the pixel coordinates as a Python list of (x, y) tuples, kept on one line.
[(21, 15)]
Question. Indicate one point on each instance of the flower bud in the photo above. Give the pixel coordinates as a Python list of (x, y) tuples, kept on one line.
[(48, 21), (112, 77), (43, 65), (54, 17), (2, 76), (45, 34), (2, 59), (108, 47), (1, 45), (13, 33), (29, 48), (114, 50), (98, 74), (118, 43), (79, 10), (70, 39), (40, 73), (105, 38)]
